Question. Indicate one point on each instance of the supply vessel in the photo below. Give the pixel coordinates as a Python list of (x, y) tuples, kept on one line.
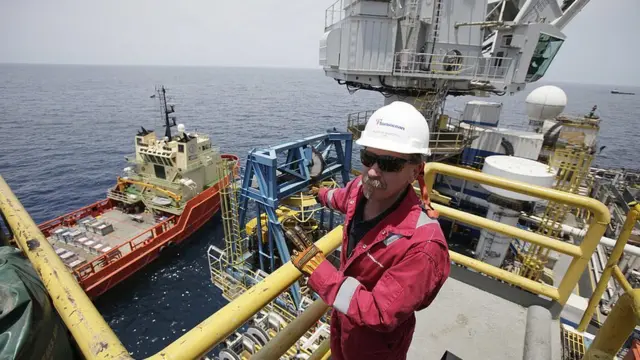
[(170, 189)]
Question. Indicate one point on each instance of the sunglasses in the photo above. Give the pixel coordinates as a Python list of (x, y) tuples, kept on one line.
[(386, 163)]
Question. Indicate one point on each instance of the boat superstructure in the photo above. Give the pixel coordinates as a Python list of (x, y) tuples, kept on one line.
[(169, 190)]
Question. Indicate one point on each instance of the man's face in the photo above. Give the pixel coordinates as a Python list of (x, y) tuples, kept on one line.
[(378, 182)]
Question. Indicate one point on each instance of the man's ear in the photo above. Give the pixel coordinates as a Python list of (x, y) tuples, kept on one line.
[(417, 169)]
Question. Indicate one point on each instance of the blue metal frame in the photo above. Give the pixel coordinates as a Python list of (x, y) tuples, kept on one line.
[(292, 159)]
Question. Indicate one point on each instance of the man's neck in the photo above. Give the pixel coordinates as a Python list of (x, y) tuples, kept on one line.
[(374, 208)]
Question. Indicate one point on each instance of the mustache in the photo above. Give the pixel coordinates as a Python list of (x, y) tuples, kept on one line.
[(374, 183)]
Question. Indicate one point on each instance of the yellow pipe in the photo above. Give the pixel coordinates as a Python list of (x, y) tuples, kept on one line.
[(511, 278), (611, 266), (199, 340), (600, 211), (288, 336), (512, 231), (590, 241), (92, 334), (622, 280), (616, 329), (322, 352)]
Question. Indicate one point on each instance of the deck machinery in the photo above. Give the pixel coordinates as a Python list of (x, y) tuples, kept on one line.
[(273, 186)]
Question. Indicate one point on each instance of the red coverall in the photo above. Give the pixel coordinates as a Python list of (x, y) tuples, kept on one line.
[(397, 268)]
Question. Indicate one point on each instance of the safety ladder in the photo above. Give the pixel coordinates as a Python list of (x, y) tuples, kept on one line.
[(437, 15), (573, 164), (429, 102), (229, 211)]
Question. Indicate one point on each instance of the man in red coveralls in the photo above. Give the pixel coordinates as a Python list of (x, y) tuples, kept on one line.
[(394, 257)]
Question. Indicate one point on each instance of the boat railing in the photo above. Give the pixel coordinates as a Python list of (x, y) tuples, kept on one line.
[(334, 13), (91, 331), (71, 219), (451, 66), (85, 270)]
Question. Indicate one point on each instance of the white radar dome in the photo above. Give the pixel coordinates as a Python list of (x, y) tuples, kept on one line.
[(546, 102), (519, 169), (181, 128)]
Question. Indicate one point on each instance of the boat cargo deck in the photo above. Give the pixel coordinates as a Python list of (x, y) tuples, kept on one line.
[(95, 236)]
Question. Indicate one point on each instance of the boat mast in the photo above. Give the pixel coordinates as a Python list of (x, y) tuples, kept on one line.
[(165, 110)]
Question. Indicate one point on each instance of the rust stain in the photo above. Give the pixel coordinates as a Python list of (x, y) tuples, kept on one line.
[(33, 244), (98, 347)]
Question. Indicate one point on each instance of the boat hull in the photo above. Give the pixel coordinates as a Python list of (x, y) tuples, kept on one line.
[(113, 267)]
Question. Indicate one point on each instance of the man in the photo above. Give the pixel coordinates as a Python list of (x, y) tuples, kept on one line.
[(394, 257)]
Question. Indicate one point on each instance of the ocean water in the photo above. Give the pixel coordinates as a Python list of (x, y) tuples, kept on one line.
[(64, 132)]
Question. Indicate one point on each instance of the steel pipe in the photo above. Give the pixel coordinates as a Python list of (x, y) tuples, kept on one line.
[(89, 329), (288, 336)]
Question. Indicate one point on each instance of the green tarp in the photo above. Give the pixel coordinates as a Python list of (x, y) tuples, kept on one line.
[(30, 328)]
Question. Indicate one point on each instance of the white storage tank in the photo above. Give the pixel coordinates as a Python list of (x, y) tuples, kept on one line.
[(519, 169), (504, 205)]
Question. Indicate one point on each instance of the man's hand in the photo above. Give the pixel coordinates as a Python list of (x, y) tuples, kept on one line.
[(306, 257)]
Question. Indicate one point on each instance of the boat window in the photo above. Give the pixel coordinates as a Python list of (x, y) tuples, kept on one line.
[(160, 171), (543, 55), (180, 148)]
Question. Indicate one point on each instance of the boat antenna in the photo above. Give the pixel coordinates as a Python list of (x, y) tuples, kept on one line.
[(166, 110)]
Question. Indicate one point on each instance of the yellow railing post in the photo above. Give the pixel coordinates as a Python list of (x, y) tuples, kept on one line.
[(92, 334), (621, 321), (616, 253), (323, 351)]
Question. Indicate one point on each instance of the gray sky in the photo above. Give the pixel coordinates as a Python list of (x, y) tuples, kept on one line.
[(602, 45)]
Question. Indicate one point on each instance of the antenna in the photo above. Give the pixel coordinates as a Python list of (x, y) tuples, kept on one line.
[(165, 111)]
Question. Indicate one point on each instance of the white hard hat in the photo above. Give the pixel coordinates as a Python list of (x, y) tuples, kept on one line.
[(397, 127)]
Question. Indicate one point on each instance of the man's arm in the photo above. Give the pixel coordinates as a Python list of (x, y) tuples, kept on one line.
[(398, 293), (336, 199)]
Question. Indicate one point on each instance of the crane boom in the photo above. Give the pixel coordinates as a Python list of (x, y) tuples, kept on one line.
[(569, 13)]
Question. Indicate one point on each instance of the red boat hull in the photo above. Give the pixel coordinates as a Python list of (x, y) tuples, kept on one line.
[(106, 271)]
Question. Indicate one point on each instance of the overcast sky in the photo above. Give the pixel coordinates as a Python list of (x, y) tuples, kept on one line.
[(603, 44)]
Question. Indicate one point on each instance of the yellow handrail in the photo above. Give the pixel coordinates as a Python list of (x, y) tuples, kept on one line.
[(93, 335), (612, 267), (581, 254), (622, 319)]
